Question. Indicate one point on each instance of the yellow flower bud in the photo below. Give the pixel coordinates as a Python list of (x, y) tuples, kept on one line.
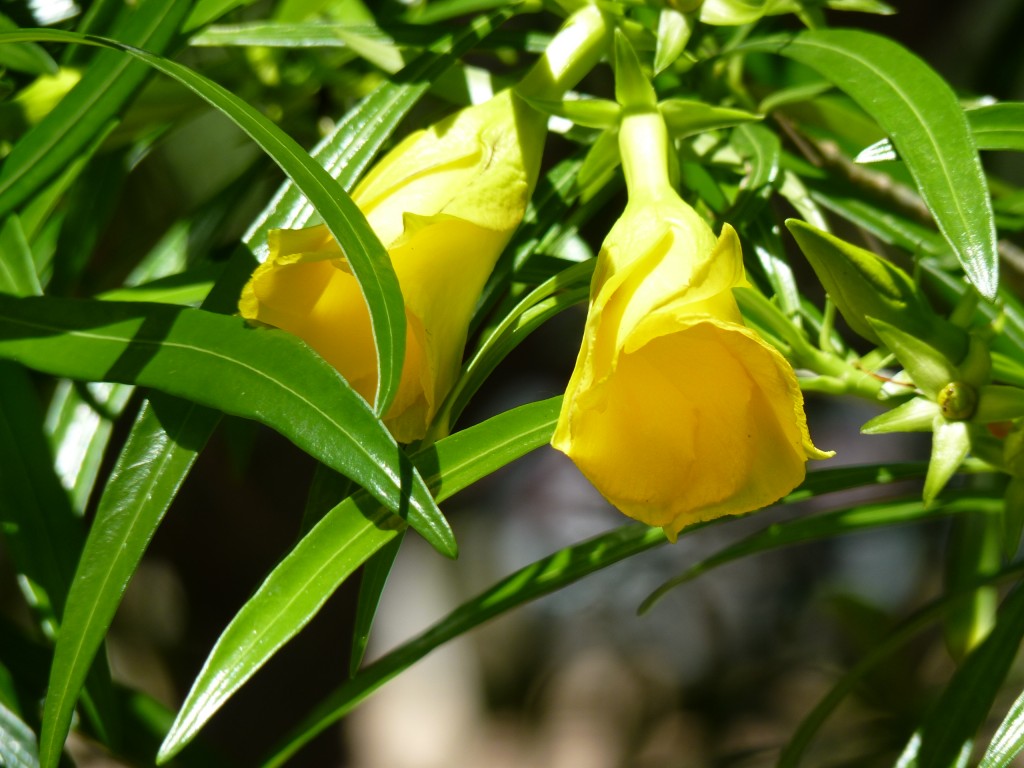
[(444, 203), (676, 411)]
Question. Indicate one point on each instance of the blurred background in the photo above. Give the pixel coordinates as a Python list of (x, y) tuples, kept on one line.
[(719, 673)]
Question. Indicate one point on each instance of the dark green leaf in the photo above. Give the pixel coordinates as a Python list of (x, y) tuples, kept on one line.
[(1009, 739), (540, 578), (25, 57), (17, 268), (822, 526), (262, 374), (338, 544), (349, 149), (87, 111), (923, 118), (371, 587), (360, 246), (998, 126), (17, 742), (954, 720)]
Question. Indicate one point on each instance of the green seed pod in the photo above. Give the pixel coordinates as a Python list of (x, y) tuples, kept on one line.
[(957, 401)]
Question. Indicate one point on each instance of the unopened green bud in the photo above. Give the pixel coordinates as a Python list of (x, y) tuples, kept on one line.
[(864, 285), (957, 401)]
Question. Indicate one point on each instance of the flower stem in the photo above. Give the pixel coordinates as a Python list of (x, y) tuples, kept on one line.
[(574, 51), (643, 145)]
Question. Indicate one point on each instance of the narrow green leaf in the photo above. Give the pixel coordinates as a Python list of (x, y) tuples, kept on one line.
[(371, 587), (674, 31), (998, 126), (110, 82), (954, 720), (17, 742), (338, 544), (150, 469), (349, 149), (25, 57), (262, 374), (921, 114), (42, 534), (205, 11), (818, 527), (359, 245), (1009, 739), (686, 117), (79, 424), (913, 625), (916, 415), (17, 267), (950, 446), (536, 580), (566, 289), (45, 537)]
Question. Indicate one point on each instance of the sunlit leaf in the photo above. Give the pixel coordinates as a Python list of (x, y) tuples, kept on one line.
[(923, 117)]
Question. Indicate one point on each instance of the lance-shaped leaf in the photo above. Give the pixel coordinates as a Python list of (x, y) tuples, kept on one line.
[(865, 285), (949, 729), (360, 246), (928, 368), (1009, 739), (922, 115), (950, 445), (218, 361), (685, 117), (87, 111), (338, 544)]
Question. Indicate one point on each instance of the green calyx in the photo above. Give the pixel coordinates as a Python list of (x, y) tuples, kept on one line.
[(866, 287)]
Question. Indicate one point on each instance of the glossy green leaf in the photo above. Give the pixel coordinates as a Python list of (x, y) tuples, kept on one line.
[(161, 449), (25, 57), (954, 720), (338, 544), (360, 246), (87, 111), (205, 11), (998, 126), (1008, 741), (674, 31), (371, 587), (922, 619), (922, 116), (17, 742), (566, 289), (262, 374), (41, 533), (821, 526), (79, 423), (686, 117), (543, 577), (17, 267), (367, 42), (349, 149)]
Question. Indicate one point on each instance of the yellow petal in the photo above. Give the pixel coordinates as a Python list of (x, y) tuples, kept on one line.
[(480, 165), (676, 411)]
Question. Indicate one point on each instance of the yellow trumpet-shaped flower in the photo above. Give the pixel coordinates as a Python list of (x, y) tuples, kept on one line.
[(676, 411), (444, 203)]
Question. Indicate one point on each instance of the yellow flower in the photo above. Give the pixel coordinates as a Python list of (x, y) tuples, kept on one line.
[(444, 203), (676, 411)]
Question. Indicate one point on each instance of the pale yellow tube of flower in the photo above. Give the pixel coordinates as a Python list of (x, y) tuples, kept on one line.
[(676, 411), (444, 203)]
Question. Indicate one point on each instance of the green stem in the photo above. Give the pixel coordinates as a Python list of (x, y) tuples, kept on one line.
[(574, 51), (643, 145)]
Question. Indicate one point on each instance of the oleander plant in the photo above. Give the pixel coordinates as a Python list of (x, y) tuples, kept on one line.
[(273, 276)]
